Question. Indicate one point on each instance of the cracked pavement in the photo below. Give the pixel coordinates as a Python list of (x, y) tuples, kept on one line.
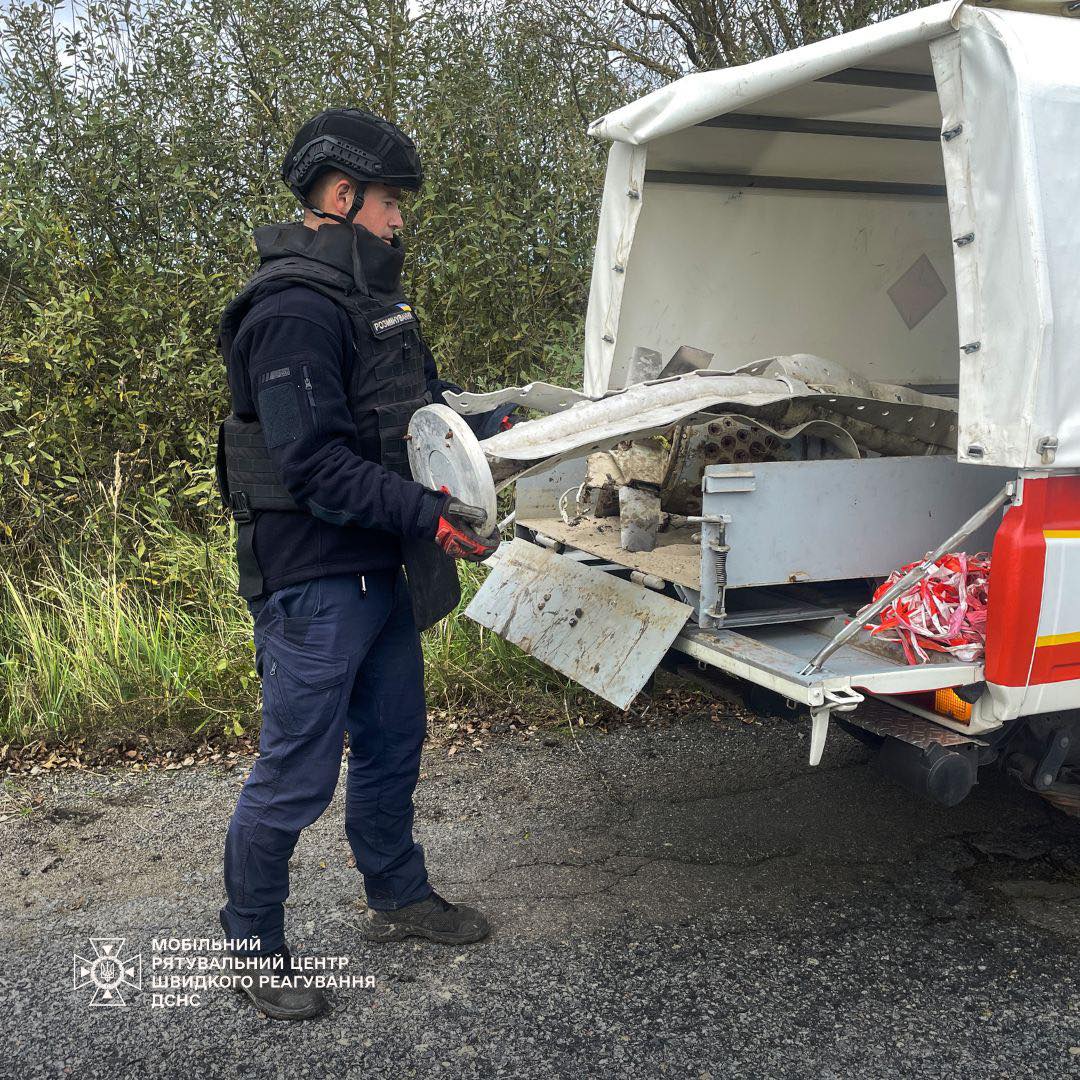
[(690, 899)]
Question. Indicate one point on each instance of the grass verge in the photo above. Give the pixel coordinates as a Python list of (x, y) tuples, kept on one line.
[(110, 639)]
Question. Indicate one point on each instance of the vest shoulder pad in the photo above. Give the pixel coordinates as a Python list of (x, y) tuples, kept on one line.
[(331, 283)]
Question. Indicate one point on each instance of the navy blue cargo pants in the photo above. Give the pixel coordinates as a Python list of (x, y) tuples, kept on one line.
[(335, 654)]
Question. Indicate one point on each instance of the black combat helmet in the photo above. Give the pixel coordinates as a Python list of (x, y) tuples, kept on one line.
[(363, 146)]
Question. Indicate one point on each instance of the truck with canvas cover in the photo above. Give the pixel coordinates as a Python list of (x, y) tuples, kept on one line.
[(831, 341)]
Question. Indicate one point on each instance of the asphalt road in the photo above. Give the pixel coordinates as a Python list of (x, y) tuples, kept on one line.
[(687, 901)]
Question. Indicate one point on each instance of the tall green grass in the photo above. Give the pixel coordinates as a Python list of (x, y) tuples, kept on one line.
[(140, 631), (466, 664), (100, 637)]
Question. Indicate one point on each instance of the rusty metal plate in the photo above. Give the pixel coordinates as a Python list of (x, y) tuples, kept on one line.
[(604, 633)]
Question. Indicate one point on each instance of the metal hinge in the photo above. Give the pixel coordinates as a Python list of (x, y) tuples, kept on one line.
[(1046, 448), (842, 699)]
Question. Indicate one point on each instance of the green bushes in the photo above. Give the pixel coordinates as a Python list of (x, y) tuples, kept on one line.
[(139, 145)]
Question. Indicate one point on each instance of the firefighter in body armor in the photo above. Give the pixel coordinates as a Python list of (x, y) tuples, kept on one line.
[(326, 365)]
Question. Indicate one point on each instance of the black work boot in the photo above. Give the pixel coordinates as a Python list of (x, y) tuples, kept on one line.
[(434, 918), (279, 992)]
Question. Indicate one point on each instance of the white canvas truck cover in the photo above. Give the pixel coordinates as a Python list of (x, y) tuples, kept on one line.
[(910, 209)]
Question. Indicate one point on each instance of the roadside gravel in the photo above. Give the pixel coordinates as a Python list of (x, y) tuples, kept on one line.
[(685, 899)]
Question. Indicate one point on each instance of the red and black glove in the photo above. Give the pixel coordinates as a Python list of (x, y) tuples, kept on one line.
[(457, 537)]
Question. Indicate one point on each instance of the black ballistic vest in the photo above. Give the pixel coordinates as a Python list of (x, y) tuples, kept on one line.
[(387, 383), (385, 387)]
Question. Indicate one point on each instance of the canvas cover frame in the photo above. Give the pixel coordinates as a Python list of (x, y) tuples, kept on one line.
[(908, 209)]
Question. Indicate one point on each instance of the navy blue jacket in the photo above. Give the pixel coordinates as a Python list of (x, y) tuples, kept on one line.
[(326, 465)]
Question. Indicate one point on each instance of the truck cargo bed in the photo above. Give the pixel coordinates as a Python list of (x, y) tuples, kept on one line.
[(774, 656)]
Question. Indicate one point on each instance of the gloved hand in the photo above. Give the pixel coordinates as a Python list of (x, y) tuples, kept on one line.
[(457, 536), (485, 425)]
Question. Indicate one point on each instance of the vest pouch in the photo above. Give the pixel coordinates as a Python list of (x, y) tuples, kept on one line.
[(389, 381), (402, 371), (249, 473), (393, 427), (433, 581), (221, 472), (303, 690)]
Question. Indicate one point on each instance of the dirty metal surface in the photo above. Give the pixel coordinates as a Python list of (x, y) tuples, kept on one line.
[(813, 370), (883, 417), (760, 662), (643, 461), (444, 455), (881, 718), (686, 358), (775, 655), (675, 465), (675, 558), (831, 377), (858, 664), (541, 396), (602, 632), (537, 496), (627, 414), (639, 518), (645, 365), (846, 518)]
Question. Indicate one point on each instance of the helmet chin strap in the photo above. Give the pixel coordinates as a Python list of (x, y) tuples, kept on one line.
[(354, 209), (359, 277), (357, 203)]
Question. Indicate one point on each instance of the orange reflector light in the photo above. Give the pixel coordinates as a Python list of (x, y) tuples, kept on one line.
[(946, 703)]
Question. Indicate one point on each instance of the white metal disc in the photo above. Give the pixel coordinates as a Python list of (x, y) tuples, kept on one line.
[(444, 453)]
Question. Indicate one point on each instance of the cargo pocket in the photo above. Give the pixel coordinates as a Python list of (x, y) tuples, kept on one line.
[(304, 688)]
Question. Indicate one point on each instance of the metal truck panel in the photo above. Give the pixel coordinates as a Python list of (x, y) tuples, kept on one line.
[(774, 657), (604, 633), (1033, 618), (794, 521)]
